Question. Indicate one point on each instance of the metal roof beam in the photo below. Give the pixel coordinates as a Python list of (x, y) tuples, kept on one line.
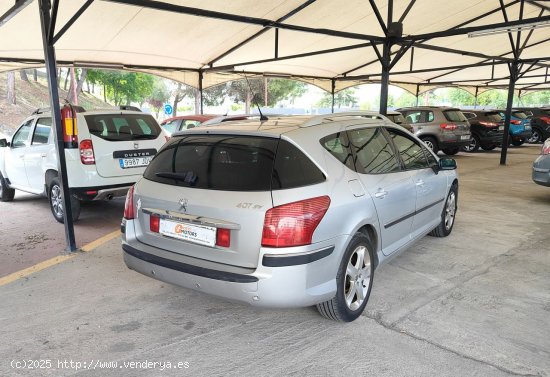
[(378, 17), (18, 7), (263, 22), (256, 35), (71, 21)]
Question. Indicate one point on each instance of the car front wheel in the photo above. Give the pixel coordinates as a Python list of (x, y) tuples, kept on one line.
[(535, 137), (354, 282), (448, 214), (55, 195), (473, 146)]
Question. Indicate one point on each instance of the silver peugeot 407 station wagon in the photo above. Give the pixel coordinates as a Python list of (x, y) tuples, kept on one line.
[(288, 212)]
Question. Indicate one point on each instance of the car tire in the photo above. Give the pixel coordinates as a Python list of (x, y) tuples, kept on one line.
[(55, 198), (488, 147), (536, 137), (451, 151), (6, 193), (430, 143), (518, 142), (473, 146), (351, 281), (448, 214)]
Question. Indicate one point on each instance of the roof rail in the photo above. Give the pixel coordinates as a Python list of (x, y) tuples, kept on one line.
[(227, 118), (129, 108), (318, 119), (42, 110)]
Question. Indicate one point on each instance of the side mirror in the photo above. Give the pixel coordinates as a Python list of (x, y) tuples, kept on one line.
[(4, 143), (447, 164)]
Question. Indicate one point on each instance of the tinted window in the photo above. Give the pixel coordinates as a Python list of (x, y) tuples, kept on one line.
[(414, 117), (373, 151), (187, 124), (216, 162), (429, 116), (454, 116), (293, 168), (171, 126), (519, 114), (409, 150), (493, 117), (338, 146), (42, 131), (469, 115), (21, 137), (546, 112), (123, 127)]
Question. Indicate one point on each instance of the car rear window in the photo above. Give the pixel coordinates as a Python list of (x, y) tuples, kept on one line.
[(232, 163), (454, 116), (123, 127), (493, 116), (519, 114)]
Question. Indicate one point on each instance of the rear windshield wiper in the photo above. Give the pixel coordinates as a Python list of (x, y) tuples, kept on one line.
[(144, 136), (187, 176)]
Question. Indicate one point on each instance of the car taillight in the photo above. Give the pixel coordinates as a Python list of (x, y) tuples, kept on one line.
[(488, 124), (68, 122), (154, 223), (546, 148), (545, 119), (448, 126), (293, 224), (514, 121), (223, 237), (87, 152), (129, 205)]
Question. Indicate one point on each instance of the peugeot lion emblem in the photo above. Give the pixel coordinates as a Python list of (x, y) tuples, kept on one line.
[(136, 145), (183, 205)]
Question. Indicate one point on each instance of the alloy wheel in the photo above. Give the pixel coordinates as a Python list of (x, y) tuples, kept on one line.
[(450, 210), (535, 137), (357, 281), (429, 144), (57, 201), (472, 146)]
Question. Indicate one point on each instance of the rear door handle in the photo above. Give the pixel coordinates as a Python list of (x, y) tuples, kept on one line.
[(380, 194)]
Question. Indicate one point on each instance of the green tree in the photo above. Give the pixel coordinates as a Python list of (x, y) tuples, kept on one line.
[(459, 97), (538, 98), (344, 97), (159, 94), (123, 87)]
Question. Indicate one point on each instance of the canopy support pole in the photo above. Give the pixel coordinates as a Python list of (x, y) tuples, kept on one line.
[(332, 91), (514, 72), (385, 79), (49, 57), (475, 97), (201, 92), (417, 93)]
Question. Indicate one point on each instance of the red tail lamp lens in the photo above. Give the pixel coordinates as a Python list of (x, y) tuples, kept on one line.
[(223, 237)]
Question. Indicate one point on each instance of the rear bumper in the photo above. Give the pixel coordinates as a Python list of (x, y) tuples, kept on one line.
[(101, 192), (280, 280)]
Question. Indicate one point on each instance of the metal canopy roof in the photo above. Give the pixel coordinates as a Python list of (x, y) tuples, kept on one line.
[(323, 42)]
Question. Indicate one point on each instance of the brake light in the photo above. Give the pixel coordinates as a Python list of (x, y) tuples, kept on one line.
[(223, 237), (448, 126), (129, 205), (293, 224), (514, 121), (68, 123), (154, 223), (488, 124), (545, 119), (546, 148), (87, 152)]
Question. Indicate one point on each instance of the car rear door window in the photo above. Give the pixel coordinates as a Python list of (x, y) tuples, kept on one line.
[(411, 153), (373, 152), (414, 117), (338, 145), (172, 126), (493, 116), (42, 131), (454, 116), (187, 124), (123, 127), (293, 168)]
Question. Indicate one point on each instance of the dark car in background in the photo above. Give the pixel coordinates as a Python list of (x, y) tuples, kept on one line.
[(439, 127), (540, 122), (487, 128), (520, 127)]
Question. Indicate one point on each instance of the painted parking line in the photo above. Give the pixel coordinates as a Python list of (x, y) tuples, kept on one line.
[(56, 260)]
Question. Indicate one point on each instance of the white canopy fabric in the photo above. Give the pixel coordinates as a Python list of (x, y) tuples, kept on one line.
[(119, 35)]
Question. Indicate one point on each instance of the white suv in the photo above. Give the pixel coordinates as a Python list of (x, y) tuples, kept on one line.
[(106, 153)]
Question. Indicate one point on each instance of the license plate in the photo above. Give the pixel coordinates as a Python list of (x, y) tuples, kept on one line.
[(501, 128), (465, 137), (134, 162), (203, 235)]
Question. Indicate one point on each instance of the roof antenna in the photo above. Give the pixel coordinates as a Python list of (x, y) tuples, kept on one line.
[(262, 116)]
